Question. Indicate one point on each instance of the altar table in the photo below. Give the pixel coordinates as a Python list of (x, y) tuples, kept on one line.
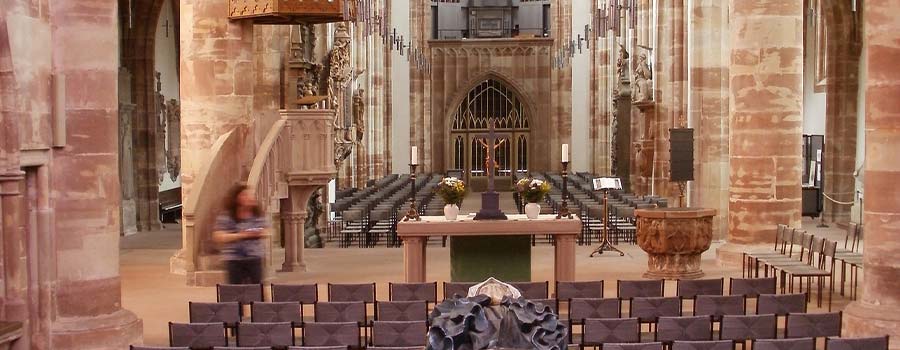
[(415, 233)]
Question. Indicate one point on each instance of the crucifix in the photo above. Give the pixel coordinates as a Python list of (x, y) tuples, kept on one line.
[(167, 28), (490, 199), (490, 144)]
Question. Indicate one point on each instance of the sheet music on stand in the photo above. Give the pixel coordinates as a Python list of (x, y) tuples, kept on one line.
[(607, 183)]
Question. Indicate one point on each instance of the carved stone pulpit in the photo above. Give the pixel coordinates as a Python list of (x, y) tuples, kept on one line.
[(310, 165)]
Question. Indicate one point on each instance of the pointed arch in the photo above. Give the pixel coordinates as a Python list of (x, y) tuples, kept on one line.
[(486, 99)]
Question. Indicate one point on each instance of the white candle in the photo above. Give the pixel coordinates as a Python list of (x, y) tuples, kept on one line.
[(565, 152), (414, 156)]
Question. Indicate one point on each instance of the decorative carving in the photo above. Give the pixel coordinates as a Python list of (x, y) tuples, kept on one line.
[(674, 238), (339, 76), (168, 135), (622, 63), (292, 11), (161, 127), (314, 209), (303, 73), (643, 83), (359, 113), (173, 138)]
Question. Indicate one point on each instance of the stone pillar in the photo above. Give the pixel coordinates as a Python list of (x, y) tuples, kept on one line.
[(708, 112), (841, 100), (15, 255), (294, 218), (671, 106), (217, 84), (765, 115), (293, 223), (216, 81), (87, 312), (877, 312)]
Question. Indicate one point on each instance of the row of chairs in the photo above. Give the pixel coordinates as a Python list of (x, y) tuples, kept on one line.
[(411, 301), (372, 217), (799, 255), (427, 291), (699, 332), (283, 335)]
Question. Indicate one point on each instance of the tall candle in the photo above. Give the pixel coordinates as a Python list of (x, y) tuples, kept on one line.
[(414, 157), (565, 153)]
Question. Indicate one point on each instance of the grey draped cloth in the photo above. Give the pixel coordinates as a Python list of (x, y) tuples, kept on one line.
[(473, 324)]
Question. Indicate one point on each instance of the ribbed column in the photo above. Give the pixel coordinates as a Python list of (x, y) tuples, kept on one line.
[(765, 142), (877, 312), (87, 310)]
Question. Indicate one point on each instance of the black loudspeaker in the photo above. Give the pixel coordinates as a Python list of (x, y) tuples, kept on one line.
[(681, 154)]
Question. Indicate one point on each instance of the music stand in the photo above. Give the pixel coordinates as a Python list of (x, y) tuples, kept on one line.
[(605, 184)]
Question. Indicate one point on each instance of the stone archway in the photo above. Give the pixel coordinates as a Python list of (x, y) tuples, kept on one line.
[(142, 111)]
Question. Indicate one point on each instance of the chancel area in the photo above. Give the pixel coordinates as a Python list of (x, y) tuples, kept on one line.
[(449, 174)]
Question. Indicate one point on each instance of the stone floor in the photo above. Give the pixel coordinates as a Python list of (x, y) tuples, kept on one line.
[(157, 297)]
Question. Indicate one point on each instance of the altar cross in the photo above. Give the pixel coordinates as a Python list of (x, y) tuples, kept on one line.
[(490, 145)]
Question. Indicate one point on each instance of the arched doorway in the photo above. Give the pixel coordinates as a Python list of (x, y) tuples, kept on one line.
[(490, 101)]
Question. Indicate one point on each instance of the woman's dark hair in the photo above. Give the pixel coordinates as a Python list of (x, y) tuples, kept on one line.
[(231, 201)]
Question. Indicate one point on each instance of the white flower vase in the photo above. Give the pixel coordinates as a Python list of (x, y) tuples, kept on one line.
[(532, 210), (451, 211)]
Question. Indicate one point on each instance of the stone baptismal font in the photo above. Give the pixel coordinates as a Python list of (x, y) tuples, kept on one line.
[(674, 238), (494, 315)]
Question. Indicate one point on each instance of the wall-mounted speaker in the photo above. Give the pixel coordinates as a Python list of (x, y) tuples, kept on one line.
[(681, 154)]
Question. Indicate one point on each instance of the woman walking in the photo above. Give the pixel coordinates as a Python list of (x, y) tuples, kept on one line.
[(241, 229)]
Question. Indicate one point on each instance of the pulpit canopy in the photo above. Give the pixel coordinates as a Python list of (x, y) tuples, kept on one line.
[(292, 11)]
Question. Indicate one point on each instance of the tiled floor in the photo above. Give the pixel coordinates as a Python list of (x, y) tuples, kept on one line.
[(157, 297)]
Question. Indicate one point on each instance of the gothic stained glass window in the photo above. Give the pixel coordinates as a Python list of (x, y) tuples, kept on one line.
[(490, 100)]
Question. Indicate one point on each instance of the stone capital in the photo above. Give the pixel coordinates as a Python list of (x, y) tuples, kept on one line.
[(295, 217), (9, 183)]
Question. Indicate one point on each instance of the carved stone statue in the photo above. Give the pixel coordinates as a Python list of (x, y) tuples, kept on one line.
[(622, 63), (642, 80), (359, 113), (339, 75), (339, 69), (173, 138), (311, 234)]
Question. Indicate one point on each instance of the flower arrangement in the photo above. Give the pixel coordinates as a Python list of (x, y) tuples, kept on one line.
[(533, 190), (451, 190)]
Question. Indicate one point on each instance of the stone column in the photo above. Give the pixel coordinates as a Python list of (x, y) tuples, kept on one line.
[(671, 106), (842, 88), (877, 312), (293, 223), (294, 218), (87, 310), (765, 115), (217, 84), (708, 112), (216, 81)]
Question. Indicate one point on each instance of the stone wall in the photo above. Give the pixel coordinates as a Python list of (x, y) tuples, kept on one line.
[(59, 180)]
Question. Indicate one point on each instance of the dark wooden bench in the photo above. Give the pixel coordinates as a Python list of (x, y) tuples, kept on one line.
[(170, 206)]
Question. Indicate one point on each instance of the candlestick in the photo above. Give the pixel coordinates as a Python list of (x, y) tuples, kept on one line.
[(563, 211), (565, 153), (413, 212), (414, 156)]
